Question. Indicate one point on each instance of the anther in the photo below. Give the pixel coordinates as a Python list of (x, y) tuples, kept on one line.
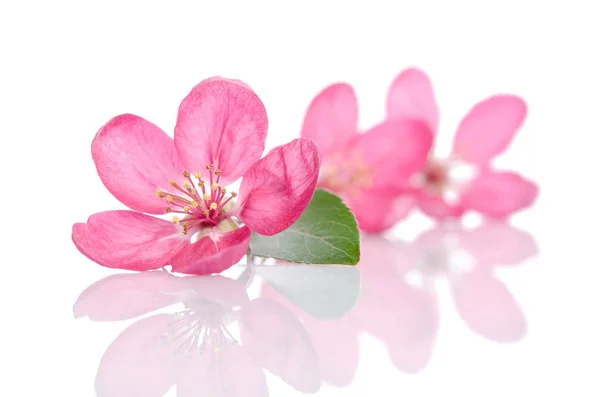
[(213, 206), (209, 167), (198, 175), (206, 212), (223, 190), (217, 172), (233, 194), (160, 193), (186, 174), (168, 209), (206, 196), (195, 204), (169, 198), (187, 185), (175, 219), (186, 208), (214, 186)]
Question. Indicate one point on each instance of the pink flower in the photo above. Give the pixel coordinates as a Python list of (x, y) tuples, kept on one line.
[(369, 169), (484, 133), (193, 348), (219, 137)]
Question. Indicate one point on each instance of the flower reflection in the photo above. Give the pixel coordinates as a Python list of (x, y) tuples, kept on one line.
[(398, 301), (196, 348)]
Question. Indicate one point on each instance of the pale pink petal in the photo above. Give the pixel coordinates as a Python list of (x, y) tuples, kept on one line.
[(277, 189), (221, 122), (134, 158), (488, 308), (138, 362), (228, 372), (377, 210), (499, 194), (277, 340), (499, 244), (488, 129), (215, 288), (331, 119), (124, 296), (411, 96), (393, 151), (213, 253), (128, 240), (435, 207)]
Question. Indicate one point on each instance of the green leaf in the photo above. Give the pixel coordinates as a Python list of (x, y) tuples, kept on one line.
[(326, 233)]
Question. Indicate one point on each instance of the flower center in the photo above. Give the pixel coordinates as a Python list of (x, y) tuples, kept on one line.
[(346, 173), (435, 177), (200, 204)]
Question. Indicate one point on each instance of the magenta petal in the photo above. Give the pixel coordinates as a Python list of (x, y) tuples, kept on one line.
[(498, 194), (134, 158), (277, 189), (487, 130), (394, 150), (378, 210), (224, 123), (213, 254), (275, 338), (331, 119), (411, 96), (128, 240), (488, 308), (124, 296)]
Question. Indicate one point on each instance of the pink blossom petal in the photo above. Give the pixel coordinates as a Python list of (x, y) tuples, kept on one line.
[(134, 158), (128, 240), (378, 210), (224, 123), (488, 308), (499, 244), (213, 253), (394, 151), (228, 372), (411, 96), (435, 207), (488, 129), (124, 296), (277, 189), (216, 288), (277, 340), (138, 363), (331, 119), (499, 194)]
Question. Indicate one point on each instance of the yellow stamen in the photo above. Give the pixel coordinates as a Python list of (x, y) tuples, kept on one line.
[(206, 196), (173, 183), (213, 206), (175, 219), (214, 186), (218, 172), (187, 185), (168, 209), (186, 174), (209, 167), (201, 183), (195, 204), (186, 208), (233, 194), (160, 193), (198, 175), (223, 190), (169, 198), (206, 212)]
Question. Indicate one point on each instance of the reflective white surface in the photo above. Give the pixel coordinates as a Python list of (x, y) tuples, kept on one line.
[(490, 319)]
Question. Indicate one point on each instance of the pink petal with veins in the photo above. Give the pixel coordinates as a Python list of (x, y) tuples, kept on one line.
[(134, 158), (331, 119), (499, 194), (488, 129), (224, 123), (279, 187), (128, 240), (411, 96), (213, 254)]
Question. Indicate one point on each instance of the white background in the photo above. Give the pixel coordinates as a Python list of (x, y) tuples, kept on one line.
[(68, 67)]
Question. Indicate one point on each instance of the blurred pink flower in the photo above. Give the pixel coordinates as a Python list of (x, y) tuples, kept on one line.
[(221, 130), (398, 300), (193, 348), (484, 133), (369, 170)]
